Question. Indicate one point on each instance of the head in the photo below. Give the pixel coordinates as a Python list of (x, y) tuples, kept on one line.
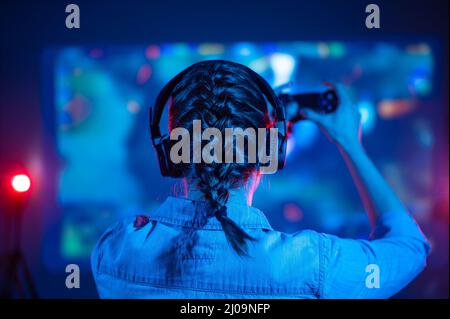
[(221, 95)]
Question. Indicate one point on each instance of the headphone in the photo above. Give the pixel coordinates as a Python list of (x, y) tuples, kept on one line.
[(162, 142)]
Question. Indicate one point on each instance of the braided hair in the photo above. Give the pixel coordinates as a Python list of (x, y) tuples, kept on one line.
[(222, 95)]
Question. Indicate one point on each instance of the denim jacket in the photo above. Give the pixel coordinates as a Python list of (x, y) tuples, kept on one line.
[(134, 258)]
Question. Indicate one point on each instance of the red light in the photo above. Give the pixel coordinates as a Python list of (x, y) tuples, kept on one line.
[(21, 183), (292, 212)]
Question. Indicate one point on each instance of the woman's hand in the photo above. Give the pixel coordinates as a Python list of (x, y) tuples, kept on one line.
[(343, 127)]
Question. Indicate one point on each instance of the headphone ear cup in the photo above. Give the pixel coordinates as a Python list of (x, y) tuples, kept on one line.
[(166, 166), (160, 148), (282, 145), (267, 140), (173, 170)]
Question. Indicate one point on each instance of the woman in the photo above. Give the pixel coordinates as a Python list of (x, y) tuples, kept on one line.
[(214, 244)]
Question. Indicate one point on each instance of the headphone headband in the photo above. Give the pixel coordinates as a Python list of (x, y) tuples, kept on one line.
[(160, 142)]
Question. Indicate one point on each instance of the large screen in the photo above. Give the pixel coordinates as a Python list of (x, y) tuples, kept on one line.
[(100, 100)]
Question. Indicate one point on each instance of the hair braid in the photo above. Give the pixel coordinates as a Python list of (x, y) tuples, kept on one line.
[(221, 95)]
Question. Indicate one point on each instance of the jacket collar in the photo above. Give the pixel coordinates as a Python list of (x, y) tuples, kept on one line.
[(181, 211)]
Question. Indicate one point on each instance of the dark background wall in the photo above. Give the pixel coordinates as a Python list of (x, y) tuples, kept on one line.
[(27, 27)]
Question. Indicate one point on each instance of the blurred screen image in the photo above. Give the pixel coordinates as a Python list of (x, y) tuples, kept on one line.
[(101, 97)]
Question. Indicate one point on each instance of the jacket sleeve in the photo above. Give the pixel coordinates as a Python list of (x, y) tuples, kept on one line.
[(376, 268)]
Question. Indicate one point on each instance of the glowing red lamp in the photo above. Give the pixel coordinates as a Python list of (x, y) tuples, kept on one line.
[(21, 183)]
